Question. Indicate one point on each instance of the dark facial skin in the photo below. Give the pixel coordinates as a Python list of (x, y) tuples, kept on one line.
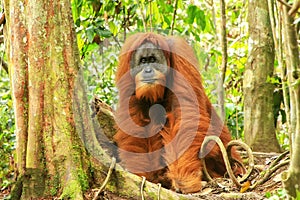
[(148, 64)]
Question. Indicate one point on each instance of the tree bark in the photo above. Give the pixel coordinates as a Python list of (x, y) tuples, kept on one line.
[(223, 41), (292, 54), (291, 178), (259, 122), (43, 60), (58, 151)]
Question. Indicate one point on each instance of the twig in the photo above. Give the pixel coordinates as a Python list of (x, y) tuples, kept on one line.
[(261, 154), (158, 191), (285, 3), (173, 18), (295, 7), (142, 187), (280, 157), (268, 174), (272, 168), (151, 14), (111, 167), (223, 39), (143, 15)]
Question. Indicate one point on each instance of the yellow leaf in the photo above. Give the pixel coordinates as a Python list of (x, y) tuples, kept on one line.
[(245, 186)]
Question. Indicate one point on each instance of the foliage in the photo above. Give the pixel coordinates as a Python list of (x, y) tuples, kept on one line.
[(99, 72), (7, 136), (277, 194), (7, 127)]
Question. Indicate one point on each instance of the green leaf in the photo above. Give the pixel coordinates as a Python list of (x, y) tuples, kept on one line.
[(169, 8), (104, 33), (191, 12), (166, 20), (90, 32), (113, 28), (201, 19)]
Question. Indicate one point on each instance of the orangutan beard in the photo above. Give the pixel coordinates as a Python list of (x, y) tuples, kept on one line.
[(152, 92)]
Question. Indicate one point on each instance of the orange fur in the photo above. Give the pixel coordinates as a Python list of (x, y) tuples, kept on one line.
[(169, 152)]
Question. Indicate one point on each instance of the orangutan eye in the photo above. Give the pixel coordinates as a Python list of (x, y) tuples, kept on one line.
[(152, 59), (143, 60)]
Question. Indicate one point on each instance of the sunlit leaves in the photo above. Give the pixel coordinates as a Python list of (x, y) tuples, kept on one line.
[(196, 14), (7, 127), (191, 12), (113, 28)]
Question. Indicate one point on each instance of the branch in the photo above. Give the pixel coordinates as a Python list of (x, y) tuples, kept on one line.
[(295, 7), (143, 16), (223, 40), (151, 14), (174, 15), (110, 170), (275, 165), (284, 3)]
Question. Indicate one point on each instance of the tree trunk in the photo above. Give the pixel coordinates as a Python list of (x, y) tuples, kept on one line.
[(54, 126), (292, 54), (223, 41), (43, 60), (291, 179), (259, 121)]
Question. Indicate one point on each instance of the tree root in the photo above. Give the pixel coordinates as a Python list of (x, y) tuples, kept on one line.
[(250, 156), (142, 187), (158, 191), (279, 162), (110, 170), (226, 158)]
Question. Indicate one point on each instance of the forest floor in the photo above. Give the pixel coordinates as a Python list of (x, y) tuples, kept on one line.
[(223, 188), (268, 167)]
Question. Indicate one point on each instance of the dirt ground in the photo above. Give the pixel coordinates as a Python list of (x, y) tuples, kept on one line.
[(223, 188), (268, 167)]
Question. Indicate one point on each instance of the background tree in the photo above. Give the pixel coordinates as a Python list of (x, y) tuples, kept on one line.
[(291, 178), (259, 120)]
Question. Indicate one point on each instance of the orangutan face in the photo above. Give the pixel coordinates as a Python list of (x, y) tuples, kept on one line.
[(149, 69)]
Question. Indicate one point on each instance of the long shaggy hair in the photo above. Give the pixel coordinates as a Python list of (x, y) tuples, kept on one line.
[(161, 128)]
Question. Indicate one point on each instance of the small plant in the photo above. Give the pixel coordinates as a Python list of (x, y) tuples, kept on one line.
[(7, 136), (277, 194)]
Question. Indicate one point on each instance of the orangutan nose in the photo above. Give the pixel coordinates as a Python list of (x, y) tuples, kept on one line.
[(148, 72)]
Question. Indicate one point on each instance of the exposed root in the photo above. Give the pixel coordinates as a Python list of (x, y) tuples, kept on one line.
[(142, 187), (264, 176), (110, 170), (279, 162), (250, 156), (158, 191), (225, 158)]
